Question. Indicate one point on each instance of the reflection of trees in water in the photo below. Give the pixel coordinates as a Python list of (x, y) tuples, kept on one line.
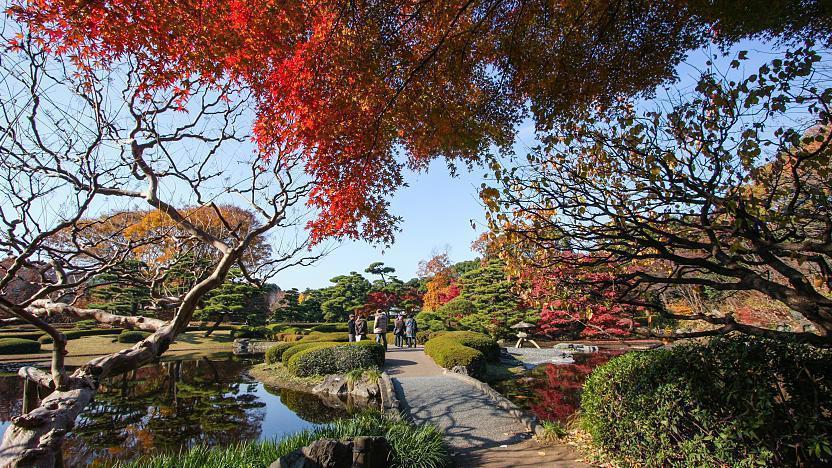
[(311, 408), (553, 391), (165, 407)]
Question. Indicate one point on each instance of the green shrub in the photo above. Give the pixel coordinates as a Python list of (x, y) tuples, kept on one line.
[(75, 334), (275, 353), (86, 324), (319, 336), (27, 335), (18, 346), (334, 358), (479, 341), (298, 347), (132, 336), (462, 348), (248, 331), (414, 446), (449, 353), (736, 401), (377, 350), (330, 327)]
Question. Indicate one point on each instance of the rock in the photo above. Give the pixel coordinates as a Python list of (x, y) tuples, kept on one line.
[(332, 385), (460, 370), (371, 452), (365, 389), (362, 452)]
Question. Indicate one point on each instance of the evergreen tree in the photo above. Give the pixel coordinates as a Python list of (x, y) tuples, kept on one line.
[(235, 300), (495, 305), (121, 292)]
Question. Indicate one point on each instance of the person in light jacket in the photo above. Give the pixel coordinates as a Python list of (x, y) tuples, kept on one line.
[(360, 328), (410, 330), (380, 328)]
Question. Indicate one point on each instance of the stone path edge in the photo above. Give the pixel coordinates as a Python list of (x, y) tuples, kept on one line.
[(389, 401), (528, 420)]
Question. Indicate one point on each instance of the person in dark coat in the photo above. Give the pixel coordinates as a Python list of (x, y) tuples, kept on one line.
[(398, 330), (351, 327), (360, 328)]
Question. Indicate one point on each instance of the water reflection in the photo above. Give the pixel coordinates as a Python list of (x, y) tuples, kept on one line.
[(552, 392), (173, 405)]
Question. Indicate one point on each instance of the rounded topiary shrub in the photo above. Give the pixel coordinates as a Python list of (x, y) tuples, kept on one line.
[(18, 346), (275, 353), (298, 347), (449, 353), (737, 401), (331, 359), (479, 341), (132, 336)]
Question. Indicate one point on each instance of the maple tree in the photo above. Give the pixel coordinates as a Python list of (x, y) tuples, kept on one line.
[(348, 83), (569, 310), (719, 189)]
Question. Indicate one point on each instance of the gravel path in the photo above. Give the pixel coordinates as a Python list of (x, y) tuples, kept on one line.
[(479, 433), (468, 419)]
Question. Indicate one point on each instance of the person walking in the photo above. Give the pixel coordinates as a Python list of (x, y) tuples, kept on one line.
[(410, 330), (380, 328), (360, 328), (351, 327), (398, 330)]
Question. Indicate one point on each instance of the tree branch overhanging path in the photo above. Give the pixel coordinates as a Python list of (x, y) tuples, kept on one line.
[(95, 139)]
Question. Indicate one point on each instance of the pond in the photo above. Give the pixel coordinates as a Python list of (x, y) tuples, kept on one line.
[(552, 392), (176, 404)]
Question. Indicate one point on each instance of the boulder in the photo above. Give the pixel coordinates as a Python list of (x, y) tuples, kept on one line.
[(460, 370), (332, 385), (365, 389), (361, 452)]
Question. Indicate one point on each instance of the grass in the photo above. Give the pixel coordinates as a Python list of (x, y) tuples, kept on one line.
[(278, 376), (553, 431), (82, 349), (413, 446)]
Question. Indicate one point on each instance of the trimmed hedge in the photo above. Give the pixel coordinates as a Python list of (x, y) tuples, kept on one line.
[(298, 347), (75, 334), (27, 335), (334, 358), (450, 353), (318, 336), (462, 348), (737, 401), (275, 353), (18, 346), (331, 327), (248, 331), (479, 341), (86, 324), (132, 336)]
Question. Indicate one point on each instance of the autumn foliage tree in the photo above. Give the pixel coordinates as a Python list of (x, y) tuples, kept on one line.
[(725, 188)]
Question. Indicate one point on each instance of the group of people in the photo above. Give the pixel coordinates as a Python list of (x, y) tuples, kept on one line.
[(404, 328)]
